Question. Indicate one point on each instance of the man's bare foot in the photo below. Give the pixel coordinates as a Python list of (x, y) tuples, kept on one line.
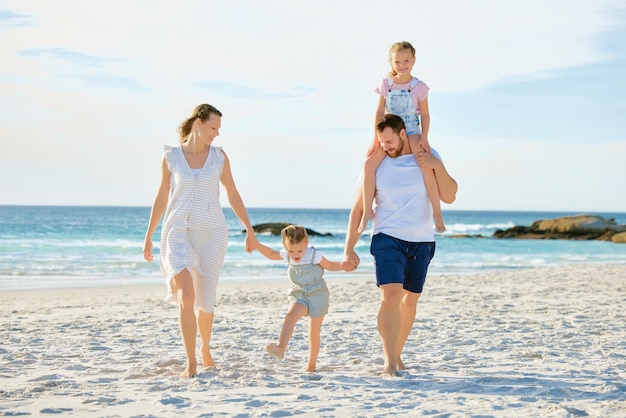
[(389, 372), (190, 370), (275, 350)]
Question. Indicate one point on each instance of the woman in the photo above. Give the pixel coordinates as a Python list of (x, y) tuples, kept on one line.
[(194, 234)]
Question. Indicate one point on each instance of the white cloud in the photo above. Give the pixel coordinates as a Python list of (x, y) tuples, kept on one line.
[(113, 80)]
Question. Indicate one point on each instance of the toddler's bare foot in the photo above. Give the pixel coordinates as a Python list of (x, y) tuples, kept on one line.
[(275, 351)]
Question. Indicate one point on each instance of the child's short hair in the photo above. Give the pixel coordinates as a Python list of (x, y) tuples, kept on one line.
[(293, 234)]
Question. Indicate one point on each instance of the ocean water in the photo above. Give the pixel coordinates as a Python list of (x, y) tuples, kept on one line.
[(56, 246)]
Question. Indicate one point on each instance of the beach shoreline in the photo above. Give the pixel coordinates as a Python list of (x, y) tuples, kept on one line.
[(533, 342)]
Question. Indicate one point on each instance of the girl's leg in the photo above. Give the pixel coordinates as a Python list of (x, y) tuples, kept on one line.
[(315, 327), (431, 187), (182, 285), (369, 186), (294, 313), (433, 194), (205, 327)]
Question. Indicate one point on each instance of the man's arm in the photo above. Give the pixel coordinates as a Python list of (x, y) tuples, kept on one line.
[(445, 183), (352, 235)]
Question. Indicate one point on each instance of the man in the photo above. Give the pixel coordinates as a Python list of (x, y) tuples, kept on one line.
[(403, 240)]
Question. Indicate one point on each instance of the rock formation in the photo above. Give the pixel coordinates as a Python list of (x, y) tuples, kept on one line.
[(619, 238), (274, 228), (579, 227)]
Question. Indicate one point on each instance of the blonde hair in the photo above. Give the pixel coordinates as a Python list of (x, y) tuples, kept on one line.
[(203, 112), (293, 234), (399, 46)]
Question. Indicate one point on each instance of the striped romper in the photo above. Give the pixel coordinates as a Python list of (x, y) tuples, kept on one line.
[(194, 234)]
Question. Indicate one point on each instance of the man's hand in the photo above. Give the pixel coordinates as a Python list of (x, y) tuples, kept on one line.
[(422, 144), (428, 160), (445, 183), (351, 260)]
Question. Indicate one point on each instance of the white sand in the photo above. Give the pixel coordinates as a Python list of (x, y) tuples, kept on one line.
[(546, 342)]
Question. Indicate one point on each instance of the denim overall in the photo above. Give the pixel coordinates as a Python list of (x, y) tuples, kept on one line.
[(309, 287), (400, 103)]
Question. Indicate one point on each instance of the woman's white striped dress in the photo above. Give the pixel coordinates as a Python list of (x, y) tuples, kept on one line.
[(194, 234)]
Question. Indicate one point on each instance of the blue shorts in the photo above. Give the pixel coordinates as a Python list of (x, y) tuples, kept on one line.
[(399, 261)]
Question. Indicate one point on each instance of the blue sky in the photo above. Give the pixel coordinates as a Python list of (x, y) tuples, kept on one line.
[(527, 98)]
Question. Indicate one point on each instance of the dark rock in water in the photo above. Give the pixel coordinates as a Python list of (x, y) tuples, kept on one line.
[(274, 228), (579, 227)]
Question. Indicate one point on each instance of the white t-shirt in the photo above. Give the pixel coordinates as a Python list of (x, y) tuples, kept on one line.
[(403, 209)]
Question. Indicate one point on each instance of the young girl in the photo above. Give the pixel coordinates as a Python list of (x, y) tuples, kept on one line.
[(405, 96), (308, 294)]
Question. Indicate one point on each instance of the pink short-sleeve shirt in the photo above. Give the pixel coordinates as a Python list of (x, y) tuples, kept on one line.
[(418, 93)]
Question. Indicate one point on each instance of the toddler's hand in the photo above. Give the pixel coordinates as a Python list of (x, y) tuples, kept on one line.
[(425, 159)]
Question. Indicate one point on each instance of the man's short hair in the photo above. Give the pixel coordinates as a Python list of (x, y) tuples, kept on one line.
[(392, 121)]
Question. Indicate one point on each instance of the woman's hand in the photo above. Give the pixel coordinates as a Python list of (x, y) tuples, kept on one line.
[(251, 242), (147, 250)]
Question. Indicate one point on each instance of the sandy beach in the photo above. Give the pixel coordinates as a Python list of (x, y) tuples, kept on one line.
[(541, 342)]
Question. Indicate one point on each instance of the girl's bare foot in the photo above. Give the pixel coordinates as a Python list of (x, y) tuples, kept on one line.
[(401, 365), (275, 351), (310, 368)]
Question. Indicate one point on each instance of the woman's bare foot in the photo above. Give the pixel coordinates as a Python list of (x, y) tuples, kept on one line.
[(190, 370), (207, 360), (275, 351)]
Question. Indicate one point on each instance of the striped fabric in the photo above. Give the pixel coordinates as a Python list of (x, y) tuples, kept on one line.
[(194, 235)]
